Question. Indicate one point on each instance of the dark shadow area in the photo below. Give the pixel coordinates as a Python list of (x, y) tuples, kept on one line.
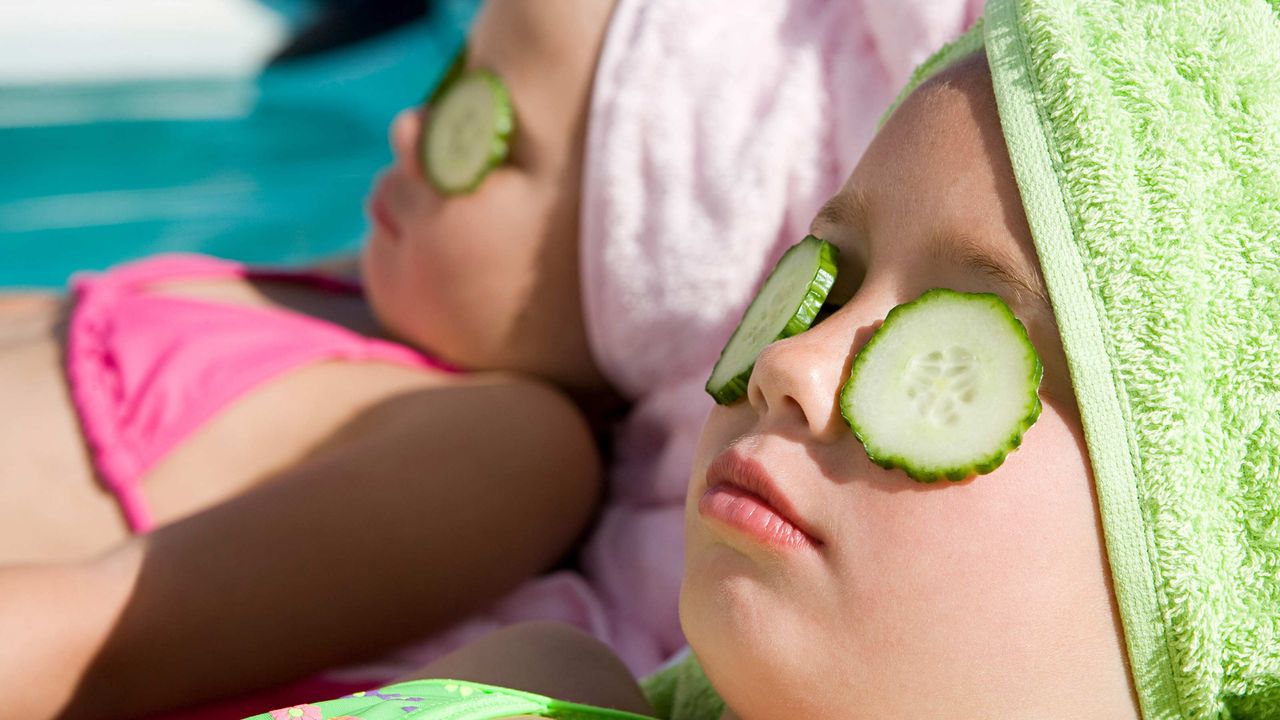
[(342, 22)]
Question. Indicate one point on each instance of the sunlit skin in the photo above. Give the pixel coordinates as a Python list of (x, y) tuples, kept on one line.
[(979, 599), (489, 280), (327, 481)]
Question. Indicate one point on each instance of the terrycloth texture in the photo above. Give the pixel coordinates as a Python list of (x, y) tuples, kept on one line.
[(1145, 141), (717, 130), (713, 136)]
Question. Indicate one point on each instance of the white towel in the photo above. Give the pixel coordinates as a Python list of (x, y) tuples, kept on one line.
[(717, 130)]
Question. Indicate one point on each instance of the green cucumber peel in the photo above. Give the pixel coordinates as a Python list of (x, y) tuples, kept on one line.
[(796, 289), (927, 398), (459, 148)]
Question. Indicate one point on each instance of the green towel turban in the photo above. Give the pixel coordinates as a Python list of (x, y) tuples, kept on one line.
[(1145, 138)]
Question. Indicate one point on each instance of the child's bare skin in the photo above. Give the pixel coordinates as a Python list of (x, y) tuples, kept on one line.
[(342, 507)]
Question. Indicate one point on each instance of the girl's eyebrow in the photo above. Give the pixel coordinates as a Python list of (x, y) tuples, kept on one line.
[(848, 209), (967, 252)]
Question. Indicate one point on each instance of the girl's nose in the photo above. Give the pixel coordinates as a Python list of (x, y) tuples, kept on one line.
[(799, 379), (405, 139)]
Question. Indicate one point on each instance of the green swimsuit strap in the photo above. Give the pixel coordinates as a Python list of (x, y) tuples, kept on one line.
[(444, 700)]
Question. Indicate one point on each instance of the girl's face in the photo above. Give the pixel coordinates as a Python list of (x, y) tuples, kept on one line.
[(489, 280), (986, 598)]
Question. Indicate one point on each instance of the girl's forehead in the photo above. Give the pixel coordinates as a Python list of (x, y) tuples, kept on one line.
[(945, 137), (938, 177)]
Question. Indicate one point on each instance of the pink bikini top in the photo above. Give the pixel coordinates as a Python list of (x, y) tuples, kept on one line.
[(146, 369)]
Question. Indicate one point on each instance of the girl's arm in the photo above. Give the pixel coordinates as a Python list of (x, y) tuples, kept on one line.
[(550, 659), (435, 504)]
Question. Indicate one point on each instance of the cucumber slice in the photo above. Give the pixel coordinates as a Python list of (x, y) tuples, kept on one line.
[(945, 388), (468, 131), (786, 305)]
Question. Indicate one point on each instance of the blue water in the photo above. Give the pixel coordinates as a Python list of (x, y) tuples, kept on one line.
[(272, 169)]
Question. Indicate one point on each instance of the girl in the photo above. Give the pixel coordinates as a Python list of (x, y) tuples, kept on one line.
[(317, 494), (1108, 171), (253, 499)]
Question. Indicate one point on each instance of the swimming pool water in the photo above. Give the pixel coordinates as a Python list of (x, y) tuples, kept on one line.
[(272, 169)]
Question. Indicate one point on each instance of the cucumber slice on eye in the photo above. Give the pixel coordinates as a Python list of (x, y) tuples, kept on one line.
[(786, 305), (468, 131), (945, 388)]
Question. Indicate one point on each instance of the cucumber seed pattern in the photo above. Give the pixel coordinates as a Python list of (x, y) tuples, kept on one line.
[(942, 381), (945, 387)]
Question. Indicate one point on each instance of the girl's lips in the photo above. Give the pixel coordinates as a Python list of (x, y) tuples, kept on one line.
[(743, 496)]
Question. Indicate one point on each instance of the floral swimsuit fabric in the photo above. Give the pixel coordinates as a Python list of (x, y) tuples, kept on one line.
[(443, 700)]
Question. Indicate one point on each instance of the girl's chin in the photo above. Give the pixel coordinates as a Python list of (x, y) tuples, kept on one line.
[(732, 590), (749, 661)]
